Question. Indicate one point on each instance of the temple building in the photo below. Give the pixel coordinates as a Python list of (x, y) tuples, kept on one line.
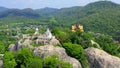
[(77, 27)]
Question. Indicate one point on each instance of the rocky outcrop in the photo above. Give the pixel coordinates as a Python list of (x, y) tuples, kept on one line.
[(19, 45), (11, 47), (1, 63), (48, 50), (54, 41), (22, 43), (100, 59)]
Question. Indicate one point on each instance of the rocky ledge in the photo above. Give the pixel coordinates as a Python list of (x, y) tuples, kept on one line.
[(100, 59), (48, 50)]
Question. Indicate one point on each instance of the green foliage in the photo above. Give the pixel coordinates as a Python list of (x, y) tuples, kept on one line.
[(65, 65), (52, 20), (23, 57), (30, 31), (101, 16), (53, 62), (62, 34), (2, 48), (81, 38), (108, 44), (5, 41), (84, 39), (42, 31), (76, 51), (9, 60), (35, 63)]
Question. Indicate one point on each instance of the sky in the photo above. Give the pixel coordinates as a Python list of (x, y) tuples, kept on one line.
[(36, 4)]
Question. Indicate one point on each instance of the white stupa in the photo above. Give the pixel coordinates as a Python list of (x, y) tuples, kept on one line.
[(48, 34), (36, 32)]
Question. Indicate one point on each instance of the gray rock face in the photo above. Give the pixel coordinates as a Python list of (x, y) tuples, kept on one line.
[(1, 63), (100, 59), (48, 50), (18, 46), (22, 43), (11, 47), (54, 41)]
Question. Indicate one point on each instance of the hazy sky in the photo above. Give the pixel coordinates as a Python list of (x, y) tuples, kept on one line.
[(45, 3)]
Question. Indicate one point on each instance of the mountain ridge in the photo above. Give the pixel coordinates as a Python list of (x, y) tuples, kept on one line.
[(44, 11)]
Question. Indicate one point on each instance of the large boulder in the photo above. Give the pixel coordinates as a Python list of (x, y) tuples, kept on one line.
[(100, 59), (48, 50)]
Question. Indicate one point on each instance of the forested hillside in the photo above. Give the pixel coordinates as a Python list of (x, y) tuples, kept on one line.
[(46, 11), (100, 17)]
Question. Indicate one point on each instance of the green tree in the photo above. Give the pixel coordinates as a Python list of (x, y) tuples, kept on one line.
[(53, 20), (23, 57), (9, 60), (54, 62), (82, 38), (108, 44), (61, 34), (35, 63), (51, 62), (2, 48), (75, 50), (30, 31)]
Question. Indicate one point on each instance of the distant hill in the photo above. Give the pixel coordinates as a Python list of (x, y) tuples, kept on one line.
[(46, 11), (102, 4), (28, 12), (3, 9), (76, 13), (17, 12)]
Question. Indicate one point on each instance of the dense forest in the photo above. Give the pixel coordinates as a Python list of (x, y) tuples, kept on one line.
[(101, 21)]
